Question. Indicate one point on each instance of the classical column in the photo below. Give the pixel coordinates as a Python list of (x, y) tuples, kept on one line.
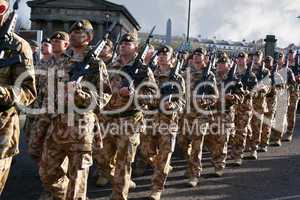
[(49, 28), (66, 26)]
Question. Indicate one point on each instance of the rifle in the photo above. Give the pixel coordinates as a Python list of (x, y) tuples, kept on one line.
[(206, 75), (138, 70), (80, 69), (7, 41), (171, 89), (247, 80), (233, 78), (153, 61), (115, 50)]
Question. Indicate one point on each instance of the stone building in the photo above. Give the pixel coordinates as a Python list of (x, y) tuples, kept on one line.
[(54, 15)]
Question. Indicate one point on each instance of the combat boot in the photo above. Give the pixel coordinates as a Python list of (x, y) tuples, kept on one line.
[(193, 182), (101, 181), (155, 195), (276, 143), (253, 155), (219, 172), (132, 185), (288, 138)]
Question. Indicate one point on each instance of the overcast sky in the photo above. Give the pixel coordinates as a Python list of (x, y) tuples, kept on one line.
[(225, 19)]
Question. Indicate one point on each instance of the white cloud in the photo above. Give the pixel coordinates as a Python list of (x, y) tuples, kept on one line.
[(225, 19)]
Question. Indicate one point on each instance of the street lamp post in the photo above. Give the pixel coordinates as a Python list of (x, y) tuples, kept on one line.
[(189, 22)]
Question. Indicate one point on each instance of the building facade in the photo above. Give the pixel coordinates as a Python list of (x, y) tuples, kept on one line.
[(54, 15)]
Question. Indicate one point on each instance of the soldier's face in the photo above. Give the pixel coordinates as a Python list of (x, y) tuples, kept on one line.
[(291, 57), (46, 48), (79, 38), (59, 46), (268, 64), (198, 59), (128, 48), (257, 59), (106, 51), (165, 58), (281, 60), (223, 68), (242, 61), (3, 9)]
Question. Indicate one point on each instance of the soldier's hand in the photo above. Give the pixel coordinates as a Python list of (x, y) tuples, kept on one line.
[(125, 92), (3, 93), (229, 97), (169, 105)]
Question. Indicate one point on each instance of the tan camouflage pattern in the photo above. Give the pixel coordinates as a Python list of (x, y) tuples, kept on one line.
[(221, 126), (191, 143), (63, 141), (157, 146)]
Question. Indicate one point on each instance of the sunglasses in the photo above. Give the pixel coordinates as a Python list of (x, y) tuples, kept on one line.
[(3, 9)]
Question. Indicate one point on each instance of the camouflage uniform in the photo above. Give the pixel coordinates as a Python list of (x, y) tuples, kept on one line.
[(10, 96), (35, 147), (293, 104), (221, 126), (192, 142), (259, 107), (271, 99), (283, 103), (243, 116), (117, 156), (158, 146), (72, 143)]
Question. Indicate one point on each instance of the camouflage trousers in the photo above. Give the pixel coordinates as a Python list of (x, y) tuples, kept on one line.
[(268, 122), (121, 151), (157, 148), (242, 130), (105, 158), (291, 113), (64, 172), (35, 132), (256, 126), (4, 171), (217, 140), (281, 115), (191, 142)]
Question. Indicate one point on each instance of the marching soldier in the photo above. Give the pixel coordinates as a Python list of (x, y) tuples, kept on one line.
[(259, 103), (243, 113), (194, 122), (22, 94), (283, 99), (271, 99), (294, 96), (71, 133), (120, 145), (60, 43), (222, 123), (158, 144)]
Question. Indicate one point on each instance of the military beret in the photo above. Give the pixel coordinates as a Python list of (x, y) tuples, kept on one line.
[(46, 40), (199, 51), (129, 37), (258, 53), (242, 55), (268, 59), (223, 59), (60, 35), (84, 25), (33, 43), (164, 49)]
